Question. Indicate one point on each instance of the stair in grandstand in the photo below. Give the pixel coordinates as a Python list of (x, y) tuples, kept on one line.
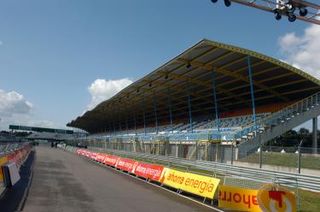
[(276, 124)]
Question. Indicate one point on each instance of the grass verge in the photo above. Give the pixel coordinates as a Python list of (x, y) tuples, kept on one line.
[(284, 159)]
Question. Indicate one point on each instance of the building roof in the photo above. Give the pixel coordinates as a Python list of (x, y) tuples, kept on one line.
[(191, 76)]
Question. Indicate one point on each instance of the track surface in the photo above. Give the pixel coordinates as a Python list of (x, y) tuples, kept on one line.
[(65, 182)]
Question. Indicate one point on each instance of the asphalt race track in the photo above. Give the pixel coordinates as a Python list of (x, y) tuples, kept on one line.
[(63, 181)]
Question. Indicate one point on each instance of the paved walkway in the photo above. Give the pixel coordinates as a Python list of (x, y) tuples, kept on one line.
[(63, 181)]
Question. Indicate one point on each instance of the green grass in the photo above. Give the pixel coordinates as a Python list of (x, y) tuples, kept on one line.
[(284, 159), (309, 201)]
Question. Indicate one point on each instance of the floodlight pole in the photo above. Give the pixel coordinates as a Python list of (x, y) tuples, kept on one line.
[(252, 93), (170, 110)]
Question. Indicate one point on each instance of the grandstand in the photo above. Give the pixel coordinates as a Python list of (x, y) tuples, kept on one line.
[(212, 94)]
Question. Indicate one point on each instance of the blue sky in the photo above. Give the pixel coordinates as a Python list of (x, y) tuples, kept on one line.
[(51, 52)]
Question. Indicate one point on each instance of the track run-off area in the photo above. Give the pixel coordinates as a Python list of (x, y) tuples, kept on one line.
[(65, 182)]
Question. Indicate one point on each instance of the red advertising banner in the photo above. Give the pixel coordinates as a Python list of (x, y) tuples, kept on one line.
[(149, 171), (85, 153), (88, 154), (19, 155), (126, 164), (100, 157), (12, 157), (111, 160), (79, 151), (93, 155)]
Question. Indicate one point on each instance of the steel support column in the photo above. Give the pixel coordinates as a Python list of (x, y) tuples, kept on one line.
[(155, 112), (216, 111), (144, 115), (170, 110), (127, 127), (315, 135), (135, 123), (252, 92), (119, 121), (190, 113)]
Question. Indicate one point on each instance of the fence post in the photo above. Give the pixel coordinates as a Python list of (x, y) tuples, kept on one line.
[(232, 147), (260, 152), (299, 159), (299, 156)]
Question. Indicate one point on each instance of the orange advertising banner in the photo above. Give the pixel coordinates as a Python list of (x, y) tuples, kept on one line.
[(236, 198)]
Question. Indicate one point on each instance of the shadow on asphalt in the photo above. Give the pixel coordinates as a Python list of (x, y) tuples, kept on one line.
[(14, 196)]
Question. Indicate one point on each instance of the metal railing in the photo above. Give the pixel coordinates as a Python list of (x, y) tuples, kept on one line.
[(308, 182), (280, 116)]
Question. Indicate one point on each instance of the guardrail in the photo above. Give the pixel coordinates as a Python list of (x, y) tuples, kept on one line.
[(7, 148), (307, 182), (17, 153)]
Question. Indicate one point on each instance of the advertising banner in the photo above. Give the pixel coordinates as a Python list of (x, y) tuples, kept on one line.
[(79, 151), (13, 157), (149, 171), (111, 160), (85, 153), (126, 164), (193, 183), (88, 154), (93, 155), (3, 160), (236, 198), (275, 198), (100, 157)]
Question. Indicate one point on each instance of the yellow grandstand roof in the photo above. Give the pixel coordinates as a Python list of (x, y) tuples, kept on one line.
[(191, 73)]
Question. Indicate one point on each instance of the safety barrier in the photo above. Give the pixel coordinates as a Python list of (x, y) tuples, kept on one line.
[(14, 154), (203, 186), (229, 197), (307, 182)]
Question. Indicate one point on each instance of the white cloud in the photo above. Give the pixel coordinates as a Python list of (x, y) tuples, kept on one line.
[(1, 43), (15, 109), (102, 89), (13, 103), (303, 51)]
